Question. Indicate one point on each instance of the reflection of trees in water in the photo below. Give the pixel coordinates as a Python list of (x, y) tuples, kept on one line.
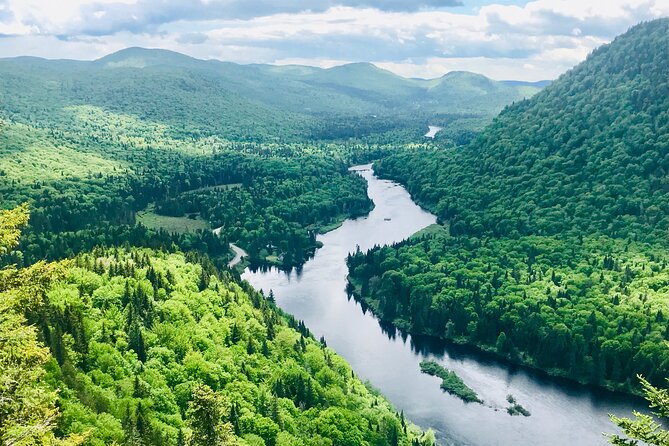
[(427, 346), (260, 267)]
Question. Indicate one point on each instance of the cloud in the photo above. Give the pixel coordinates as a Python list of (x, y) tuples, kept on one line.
[(5, 12), (192, 38), (528, 40), (106, 17)]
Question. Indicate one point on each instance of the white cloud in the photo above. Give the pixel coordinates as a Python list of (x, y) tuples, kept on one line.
[(536, 40)]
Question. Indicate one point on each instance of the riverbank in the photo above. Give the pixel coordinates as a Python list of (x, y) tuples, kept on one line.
[(354, 288)]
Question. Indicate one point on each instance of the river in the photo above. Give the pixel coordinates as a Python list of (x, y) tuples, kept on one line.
[(432, 131), (563, 413)]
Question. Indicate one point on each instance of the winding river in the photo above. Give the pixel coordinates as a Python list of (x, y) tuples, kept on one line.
[(562, 413)]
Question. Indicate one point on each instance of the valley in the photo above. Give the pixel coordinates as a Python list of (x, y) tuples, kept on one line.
[(199, 252)]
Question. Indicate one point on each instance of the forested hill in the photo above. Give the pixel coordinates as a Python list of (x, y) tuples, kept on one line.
[(249, 102), (589, 153), (140, 347), (553, 246)]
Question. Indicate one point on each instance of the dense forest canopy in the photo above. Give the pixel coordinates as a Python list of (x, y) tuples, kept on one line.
[(153, 147), (555, 221), (588, 154), (88, 181), (131, 175), (155, 348)]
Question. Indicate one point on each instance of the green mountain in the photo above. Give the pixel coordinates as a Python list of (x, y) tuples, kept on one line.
[(599, 131), (470, 92), (553, 246), (244, 102)]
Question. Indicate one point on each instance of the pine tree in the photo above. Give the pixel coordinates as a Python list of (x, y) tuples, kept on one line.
[(203, 283), (136, 341)]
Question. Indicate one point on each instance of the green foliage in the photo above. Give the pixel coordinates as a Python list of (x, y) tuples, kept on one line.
[(515, 408), (249, 102), (147, 352), (592, 309), (28, 410), (205, 415), (586, 155), (643, 427), (282, 195), (450, 381), (11, 222)]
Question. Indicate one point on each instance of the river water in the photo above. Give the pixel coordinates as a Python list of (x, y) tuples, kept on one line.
[(562, 413), (432, 131)]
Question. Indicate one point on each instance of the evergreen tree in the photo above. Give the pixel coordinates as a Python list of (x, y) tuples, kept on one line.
[(643, 427)]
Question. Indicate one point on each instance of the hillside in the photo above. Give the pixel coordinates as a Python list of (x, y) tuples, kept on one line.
[(587, 153), (157, 348), (197, 97), (555, 220)]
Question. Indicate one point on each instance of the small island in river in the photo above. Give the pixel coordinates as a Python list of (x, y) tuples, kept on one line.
[(450, 381)]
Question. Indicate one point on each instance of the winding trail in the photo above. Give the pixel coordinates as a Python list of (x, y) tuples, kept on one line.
[(239, 252), (239, 255)]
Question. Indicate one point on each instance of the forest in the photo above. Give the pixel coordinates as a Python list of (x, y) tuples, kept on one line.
[(124, 181), (150, 347), (271, 199), (554, 221)]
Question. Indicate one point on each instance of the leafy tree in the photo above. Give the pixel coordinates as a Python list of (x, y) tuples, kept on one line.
[(205, 418), (28, 413), (643, 427)]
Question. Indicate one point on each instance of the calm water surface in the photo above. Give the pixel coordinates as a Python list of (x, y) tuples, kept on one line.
[(562, 413)]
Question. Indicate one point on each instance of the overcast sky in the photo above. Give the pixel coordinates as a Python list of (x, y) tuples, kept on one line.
[(503, 39)]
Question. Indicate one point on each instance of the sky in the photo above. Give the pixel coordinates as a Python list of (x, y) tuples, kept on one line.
[(503, 39)]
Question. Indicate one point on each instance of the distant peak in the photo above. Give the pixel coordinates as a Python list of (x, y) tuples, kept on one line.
[(140, 51), (138, 57), (460, 73)]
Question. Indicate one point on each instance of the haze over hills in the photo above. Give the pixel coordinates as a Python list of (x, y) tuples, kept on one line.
[(253, 101)]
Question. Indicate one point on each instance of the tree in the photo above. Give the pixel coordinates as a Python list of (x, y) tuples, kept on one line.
[(644, 428), (27, 406), (136, 341), (500, 345), (203, 283), (205, 417)]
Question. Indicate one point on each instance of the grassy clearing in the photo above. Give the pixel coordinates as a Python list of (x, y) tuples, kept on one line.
[(171, 224), (434, 229)]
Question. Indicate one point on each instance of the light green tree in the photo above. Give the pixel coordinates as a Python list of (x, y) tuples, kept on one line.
[(645, 428), (27, 406), (205, 417)]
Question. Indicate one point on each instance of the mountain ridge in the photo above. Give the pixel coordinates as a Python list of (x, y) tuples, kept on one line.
[(231, 100), (134, 51)]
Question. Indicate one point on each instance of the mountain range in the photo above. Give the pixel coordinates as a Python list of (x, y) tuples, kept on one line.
[(256, 102)]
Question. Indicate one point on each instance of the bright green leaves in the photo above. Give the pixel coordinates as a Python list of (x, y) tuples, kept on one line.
[(11, 222), (644, 427)]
